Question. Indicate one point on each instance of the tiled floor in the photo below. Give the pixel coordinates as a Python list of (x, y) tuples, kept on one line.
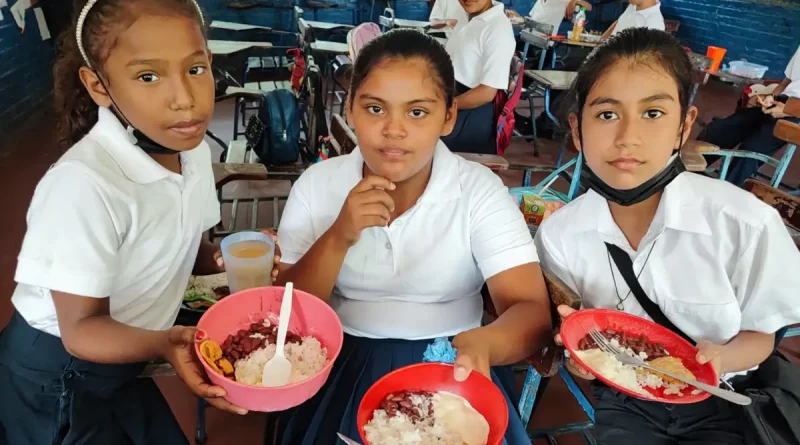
[(29, 153)]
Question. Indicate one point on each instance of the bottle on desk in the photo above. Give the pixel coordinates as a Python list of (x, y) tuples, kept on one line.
[(579, 25)]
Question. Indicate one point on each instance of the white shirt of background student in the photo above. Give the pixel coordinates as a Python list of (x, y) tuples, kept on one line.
[(736, 249), (552, 12), (639, 14), (447, 16), (481, 52), (133, 237), (426, 268), (790, 86)]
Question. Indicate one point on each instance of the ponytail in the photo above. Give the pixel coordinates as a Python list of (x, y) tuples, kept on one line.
[(76, 111)]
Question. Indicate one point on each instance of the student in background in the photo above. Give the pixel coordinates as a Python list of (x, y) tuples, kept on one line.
[(481, 52), (638, 14), (447, 16), (399, 238), (710, 257), (751, 129), (553, 12)]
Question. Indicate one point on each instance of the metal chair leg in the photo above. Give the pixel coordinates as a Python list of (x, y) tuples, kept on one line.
[(200, 434)]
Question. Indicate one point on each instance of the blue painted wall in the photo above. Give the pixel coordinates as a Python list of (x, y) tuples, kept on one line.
[(766, 32), (25, 79)]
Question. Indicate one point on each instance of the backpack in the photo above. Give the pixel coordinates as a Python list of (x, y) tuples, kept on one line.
[(274, 133), (504, 104), (359, 36)]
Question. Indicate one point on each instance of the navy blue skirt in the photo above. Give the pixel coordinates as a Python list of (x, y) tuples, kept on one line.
[(361, 363), (475, 130), (52, 398)]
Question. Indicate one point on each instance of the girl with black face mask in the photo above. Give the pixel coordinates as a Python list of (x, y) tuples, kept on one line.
[(706, 254)]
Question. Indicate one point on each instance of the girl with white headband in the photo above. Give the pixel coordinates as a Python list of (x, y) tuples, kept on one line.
[(114, 232)]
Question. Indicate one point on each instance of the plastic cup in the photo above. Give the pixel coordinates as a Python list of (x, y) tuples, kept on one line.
[(716, 54), (247, 273)]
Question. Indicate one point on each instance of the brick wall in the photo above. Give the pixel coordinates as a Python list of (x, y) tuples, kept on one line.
[(766, 32), (25, 80)]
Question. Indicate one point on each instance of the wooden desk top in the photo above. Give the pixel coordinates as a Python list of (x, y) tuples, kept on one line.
[(232, 26), (326, 25), (403, 23), (227, 47), (228, 172), (330, 47), (494, 162), (555, 80)]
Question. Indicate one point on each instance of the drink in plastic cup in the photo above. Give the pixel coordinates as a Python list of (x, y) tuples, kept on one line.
[(248, 260), (716, 54)]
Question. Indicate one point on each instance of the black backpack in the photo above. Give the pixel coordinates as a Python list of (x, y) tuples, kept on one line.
[(274, 133)]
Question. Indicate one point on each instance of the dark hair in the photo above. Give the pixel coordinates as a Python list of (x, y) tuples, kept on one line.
[(74, 105), (638, 45), (406, 44)]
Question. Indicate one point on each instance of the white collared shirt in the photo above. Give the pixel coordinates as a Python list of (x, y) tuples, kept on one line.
[(720, 261), (550, 12), (108, 221), (482, 50), (641, 18), (420, 277), (793, 74), (447, 10)]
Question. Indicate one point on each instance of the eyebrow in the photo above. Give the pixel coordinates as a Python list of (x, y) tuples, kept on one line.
[(602, 100), (137, 62), (411, 102)]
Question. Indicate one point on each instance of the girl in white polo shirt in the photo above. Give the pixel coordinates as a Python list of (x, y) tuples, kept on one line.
[(710, 257), (638, 14), (401, 235), (481, 52), (552, 12), (447, 16), (114, 231)]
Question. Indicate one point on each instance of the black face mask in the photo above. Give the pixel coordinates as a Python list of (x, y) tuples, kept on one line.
[(637, 194), (147, 145)]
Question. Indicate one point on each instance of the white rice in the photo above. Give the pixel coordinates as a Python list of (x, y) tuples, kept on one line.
[(307, 359), (400, 430)]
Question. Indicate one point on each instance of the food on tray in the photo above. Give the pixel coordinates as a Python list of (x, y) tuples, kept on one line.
[(204, 291), (426, 418), (250, 349), (630, 377)]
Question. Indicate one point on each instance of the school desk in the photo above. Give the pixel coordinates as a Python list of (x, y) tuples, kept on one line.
[(229, 47), (545, 81), (232, 26)]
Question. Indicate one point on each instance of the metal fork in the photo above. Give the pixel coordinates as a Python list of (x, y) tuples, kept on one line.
[(628, 359), (347, 440)]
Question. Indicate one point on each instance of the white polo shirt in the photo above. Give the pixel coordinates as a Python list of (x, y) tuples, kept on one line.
[(722, 262), (420, 277), (482, 50), (641, 18), (550, 12), (108, 221), (793, 74), (447, 10)]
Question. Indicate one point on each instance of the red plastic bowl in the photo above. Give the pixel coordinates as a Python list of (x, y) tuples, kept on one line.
[(577, 326), (310, 316), (479, 391)]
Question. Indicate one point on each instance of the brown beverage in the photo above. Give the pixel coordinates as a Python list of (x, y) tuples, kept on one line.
[(249, 265)]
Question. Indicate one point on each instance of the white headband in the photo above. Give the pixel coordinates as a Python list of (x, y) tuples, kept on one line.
[(82, 18)]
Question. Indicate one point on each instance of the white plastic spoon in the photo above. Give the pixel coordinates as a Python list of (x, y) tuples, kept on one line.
[(278, 370)]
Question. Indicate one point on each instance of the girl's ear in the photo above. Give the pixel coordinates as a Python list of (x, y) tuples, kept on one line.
[(576, 131), (688, 122), (91, 81), (450, 118)]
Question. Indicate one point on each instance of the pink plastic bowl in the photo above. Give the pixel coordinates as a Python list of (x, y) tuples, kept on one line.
[(310, 316)]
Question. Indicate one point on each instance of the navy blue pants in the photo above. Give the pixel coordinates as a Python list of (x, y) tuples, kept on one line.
[(751, 130), (360, 364), (620, 419), (52, 398)]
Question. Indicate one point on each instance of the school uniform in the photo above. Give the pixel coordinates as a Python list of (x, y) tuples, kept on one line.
[(402, 286), (481, 52), (449, 10), (105, 221), (752, 130), (640, 18), (550, 12), (714, 260)]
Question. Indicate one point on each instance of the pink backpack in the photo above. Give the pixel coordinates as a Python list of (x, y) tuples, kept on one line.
[(359, 36), (504, 104)]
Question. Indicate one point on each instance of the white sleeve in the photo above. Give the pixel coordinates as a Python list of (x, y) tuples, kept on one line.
[(793, 68), (296, 230), (766, 281), (498, 50), (656, 21), (212, 215), (437, 12), (73, 235), (499, 236), (550, 257)]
